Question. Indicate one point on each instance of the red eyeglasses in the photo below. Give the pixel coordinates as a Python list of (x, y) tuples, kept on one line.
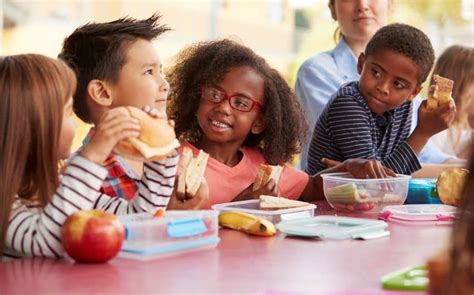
[(241, 103)]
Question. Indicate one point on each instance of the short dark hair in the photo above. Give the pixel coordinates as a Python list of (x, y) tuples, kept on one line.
[(98, 51), (408, 41), (207, 63)]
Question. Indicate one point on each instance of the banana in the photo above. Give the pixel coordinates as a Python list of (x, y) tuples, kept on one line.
[(247, 223)]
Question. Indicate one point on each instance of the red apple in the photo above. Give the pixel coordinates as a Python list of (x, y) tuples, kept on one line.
[(92, 236)]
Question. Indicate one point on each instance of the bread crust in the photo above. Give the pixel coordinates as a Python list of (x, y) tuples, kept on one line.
[(450, 184)]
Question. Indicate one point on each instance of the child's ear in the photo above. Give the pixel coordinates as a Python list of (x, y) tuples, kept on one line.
[(415, 92), (360, 63), (97, 90), (258, 125)]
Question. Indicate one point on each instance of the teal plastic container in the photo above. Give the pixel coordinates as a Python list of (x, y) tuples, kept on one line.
[(422, 191)]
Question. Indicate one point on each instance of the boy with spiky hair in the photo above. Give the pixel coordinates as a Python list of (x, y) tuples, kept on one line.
[(117, 65), (371, 118)]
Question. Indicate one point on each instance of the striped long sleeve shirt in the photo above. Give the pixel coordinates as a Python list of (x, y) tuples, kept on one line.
[(348, 129), (34, 231)]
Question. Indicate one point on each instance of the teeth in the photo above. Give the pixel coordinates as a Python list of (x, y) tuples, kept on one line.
[(219, 124)]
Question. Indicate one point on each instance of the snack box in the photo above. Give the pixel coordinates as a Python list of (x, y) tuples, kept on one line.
[(420, 213), (275, 216), (148, 237), (422, 191), (334, 228), (346, 193)]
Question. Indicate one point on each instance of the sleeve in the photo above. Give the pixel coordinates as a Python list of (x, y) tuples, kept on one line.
[(352, 133), (313, 89), (154, 189), (33, 233), (292, 183)]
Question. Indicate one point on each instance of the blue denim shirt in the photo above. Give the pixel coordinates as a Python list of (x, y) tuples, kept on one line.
[(320, 76)]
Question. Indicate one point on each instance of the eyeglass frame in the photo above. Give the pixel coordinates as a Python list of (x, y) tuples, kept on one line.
[(255, 104)]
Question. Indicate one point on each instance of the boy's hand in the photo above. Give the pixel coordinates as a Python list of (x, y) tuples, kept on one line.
[(431, 122), (114, 126), (190, 203), (360, 168), (270, 189)]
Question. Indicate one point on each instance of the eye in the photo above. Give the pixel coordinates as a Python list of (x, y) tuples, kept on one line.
[(241, 102), (376, 73), (399, 84), (149, 72)]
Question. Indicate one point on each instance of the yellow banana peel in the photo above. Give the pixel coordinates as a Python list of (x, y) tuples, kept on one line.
[(247, 223)]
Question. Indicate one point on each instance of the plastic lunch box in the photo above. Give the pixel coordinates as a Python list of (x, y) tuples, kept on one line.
[(422, 191), (148, 237), (275, 216)]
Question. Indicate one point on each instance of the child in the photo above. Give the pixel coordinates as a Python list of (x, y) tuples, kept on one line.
[(37, 126), (457, 64), (117, 65), (229, 102), (452, 271), (371, 118)]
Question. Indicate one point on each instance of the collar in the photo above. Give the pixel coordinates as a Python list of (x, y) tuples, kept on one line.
[(345, 60)]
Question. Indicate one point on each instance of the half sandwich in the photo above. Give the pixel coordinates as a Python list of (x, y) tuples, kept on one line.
[(265, 173), (277, 203), (191, 170)]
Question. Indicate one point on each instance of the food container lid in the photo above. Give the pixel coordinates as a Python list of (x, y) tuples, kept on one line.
[(420, 213), (334, 227)]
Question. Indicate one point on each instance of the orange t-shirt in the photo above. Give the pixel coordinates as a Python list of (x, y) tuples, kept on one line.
[(225, 182)]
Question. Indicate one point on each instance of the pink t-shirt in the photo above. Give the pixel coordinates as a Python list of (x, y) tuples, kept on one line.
[(225, 182)]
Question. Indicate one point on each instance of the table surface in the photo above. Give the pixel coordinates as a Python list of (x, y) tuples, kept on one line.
[(240, 264)]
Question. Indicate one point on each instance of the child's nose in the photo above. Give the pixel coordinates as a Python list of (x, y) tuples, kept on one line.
[(383, 86), (224, 107), (164, 86)]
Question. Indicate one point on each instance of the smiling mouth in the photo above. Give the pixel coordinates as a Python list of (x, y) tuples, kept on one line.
[(219, 124)]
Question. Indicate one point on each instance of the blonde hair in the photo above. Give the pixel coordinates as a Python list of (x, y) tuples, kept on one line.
[(33, 91), (457, 64)]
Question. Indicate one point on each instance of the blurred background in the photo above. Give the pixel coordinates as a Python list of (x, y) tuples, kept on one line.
[(285, 32)]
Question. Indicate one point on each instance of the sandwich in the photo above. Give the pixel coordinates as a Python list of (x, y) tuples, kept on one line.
[(439, 92), (265, 173), (157, 138), (277, 203), (191, 170), (450, 185)]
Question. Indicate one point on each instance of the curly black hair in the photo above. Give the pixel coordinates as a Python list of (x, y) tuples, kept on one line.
[(98, 51), (206, 63), (408, 41)]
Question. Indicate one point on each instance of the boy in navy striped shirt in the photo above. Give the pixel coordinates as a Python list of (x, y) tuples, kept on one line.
[(371, 118)]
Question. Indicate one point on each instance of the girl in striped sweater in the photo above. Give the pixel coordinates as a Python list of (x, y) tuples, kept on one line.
[(37, 126)]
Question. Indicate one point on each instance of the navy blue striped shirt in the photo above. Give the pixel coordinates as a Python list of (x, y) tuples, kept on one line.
[(348, 129)]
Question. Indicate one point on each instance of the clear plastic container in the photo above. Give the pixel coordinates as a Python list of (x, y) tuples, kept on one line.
[(148, 237), (275, 216), (346, 193)]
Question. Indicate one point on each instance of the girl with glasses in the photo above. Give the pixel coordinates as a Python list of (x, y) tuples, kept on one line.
[(227, 101)]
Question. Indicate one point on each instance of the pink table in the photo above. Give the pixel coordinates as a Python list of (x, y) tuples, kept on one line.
[(239, 264)]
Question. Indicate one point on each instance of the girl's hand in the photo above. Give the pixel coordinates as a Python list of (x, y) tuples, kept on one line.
[(190, 203), (114, 126), (360, 168), (270, 189)]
